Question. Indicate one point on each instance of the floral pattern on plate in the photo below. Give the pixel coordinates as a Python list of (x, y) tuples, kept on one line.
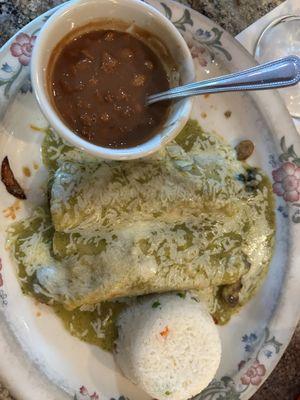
[(3, 295), (84, 394), (226, 388), (253, 368), (286, 177), (21, 50), (205, 42)]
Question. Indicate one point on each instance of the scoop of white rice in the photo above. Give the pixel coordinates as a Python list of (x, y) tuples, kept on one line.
[(169, 346)]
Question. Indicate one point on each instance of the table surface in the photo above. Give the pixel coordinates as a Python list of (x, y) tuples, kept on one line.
[(234, 16)]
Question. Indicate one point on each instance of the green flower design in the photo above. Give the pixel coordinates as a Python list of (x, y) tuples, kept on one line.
[(209, 41)]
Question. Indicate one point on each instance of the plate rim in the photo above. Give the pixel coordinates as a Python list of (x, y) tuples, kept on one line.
[(6, 378)]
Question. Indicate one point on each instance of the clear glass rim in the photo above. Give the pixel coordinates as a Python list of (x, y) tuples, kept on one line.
[(272, 24)]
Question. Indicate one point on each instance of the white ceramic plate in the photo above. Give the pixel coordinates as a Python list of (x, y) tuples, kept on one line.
[(39, 358)]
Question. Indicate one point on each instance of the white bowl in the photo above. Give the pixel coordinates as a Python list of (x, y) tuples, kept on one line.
[(78, 13)]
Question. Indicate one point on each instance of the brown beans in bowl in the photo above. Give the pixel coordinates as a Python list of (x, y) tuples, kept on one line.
[(99, 80)]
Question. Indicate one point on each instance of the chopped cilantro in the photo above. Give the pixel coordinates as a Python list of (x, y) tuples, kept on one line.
[(167, 393), (241, 178), (182, 295), (156, 304)]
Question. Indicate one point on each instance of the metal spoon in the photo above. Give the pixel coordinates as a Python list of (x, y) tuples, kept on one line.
[(272, 75)]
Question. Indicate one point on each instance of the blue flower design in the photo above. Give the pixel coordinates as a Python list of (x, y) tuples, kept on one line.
[(3, 298), (268, 353), (273, 161), (6, 68), (252, 337), (26, 87), (283, 211), (201, 32), (248, 348), (249, 340)]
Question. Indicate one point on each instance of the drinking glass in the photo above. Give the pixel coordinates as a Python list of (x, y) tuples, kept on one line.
[(279, 39)]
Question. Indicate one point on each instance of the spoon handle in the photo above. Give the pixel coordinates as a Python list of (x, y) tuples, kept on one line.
[(272, 75)]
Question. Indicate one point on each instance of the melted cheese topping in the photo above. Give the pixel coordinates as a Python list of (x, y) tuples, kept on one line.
[(109, 195), (186, 218)]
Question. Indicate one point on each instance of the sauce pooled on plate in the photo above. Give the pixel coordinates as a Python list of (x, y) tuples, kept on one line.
[(99, 80)]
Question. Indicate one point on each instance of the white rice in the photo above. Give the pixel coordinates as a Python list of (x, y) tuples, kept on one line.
[(169, 346)]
